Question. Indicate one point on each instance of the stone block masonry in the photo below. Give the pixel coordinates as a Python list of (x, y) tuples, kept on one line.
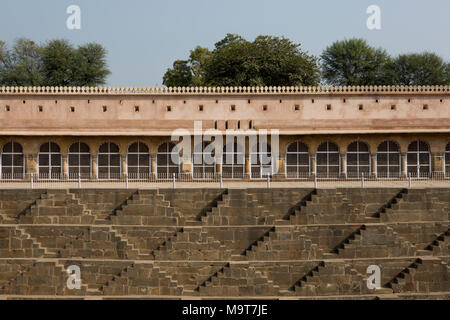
[(294, 243)]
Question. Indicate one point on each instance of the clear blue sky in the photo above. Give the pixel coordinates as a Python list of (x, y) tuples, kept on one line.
[(144, 37)]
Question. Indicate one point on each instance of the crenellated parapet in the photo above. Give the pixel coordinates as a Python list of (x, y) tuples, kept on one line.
[(284, 90)]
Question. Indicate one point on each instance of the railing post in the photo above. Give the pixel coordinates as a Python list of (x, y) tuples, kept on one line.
[(79, 180), (173, 180), (409, 179), (126, 180), (221, 181), (315, 181), (31, 180), (362, 180)]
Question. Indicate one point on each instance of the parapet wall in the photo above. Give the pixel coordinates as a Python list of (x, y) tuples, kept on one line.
[(159, 111)]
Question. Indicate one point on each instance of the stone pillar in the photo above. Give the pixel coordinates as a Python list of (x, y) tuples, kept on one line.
[(186, 165), (404, 165), (31, 164), (247, 167), (65, 167), (374, 165), (218, 168), (343, 165), (281, 162), (313, 168), (153, 164), (437, 163), (94, 161), (124, 165)]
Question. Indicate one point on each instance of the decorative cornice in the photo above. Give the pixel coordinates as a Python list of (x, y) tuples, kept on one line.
[(285, 90)]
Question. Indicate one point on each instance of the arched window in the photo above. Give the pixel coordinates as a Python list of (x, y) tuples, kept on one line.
[(138, 161), (109, 161), (233, 163), (49, 161), (328, 160), (261, 160), (419, 159), (358, 159), (13, 162), (79, 161), (297, 160), (447, 161), (204, 161), (388, 160), (167, 165)]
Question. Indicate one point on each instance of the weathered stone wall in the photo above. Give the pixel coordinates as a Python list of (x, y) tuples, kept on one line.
[(138, 111), (177, 243)]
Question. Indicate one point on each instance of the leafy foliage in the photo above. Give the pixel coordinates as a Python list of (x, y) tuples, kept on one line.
[(56, 63), (354, 62), (421, 69), (267, 61), (21, 66)]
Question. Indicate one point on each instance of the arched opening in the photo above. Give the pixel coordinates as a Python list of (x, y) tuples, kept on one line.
[(328, 160), (138, 161), (233, 164), (388, 160), (79, 161), (261, 160), (13, 161), (167, 161), (49, 161), (108, 164), (419, 159), (297, 160), (358, 159), (203, 161)]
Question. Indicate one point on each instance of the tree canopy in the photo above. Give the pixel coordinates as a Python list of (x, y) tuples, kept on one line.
[(55, 63), (234, 61), (274, 61), (421, 69), (354, 62)]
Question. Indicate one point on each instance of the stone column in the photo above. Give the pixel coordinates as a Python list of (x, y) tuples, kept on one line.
[(343, 165), (65, 167), (123, 158), (247, 167), (374, 165), (31, 164), (186, 166), (94, 168), (281, 162), (153, 164), (437, 163), (218, 168), (313, 168), (404, 165)]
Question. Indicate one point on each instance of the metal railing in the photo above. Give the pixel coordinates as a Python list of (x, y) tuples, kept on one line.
[(218, 180)]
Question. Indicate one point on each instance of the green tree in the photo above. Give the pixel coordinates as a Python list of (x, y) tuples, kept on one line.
[(59, 60), (179, 75), (421, 69), (354, 62), (267, 61), (22, 66), (197, 62), (4, 62), (229, 63), (90, 67)]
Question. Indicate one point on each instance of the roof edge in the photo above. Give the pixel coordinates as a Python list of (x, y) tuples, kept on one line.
[(285, 90)]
